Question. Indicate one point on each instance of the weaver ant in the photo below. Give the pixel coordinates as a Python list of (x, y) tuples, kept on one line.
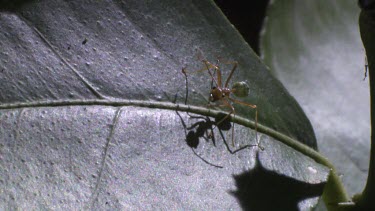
[(220, 93), (204, 129)]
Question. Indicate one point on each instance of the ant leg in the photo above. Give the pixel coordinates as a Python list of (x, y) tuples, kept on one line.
[(204, 160), (237, 150), (231, 72), (187, 93), (255, 118), (226, 103), (186, 85), (192, 72), (208, 67), (217, 70)]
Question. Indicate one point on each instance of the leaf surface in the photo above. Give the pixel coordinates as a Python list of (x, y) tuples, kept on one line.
[(93, 115)]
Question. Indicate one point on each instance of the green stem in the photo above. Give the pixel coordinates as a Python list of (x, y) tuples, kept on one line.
[(367, 28)]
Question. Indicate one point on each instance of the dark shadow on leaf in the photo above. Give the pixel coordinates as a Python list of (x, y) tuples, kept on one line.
[(192, 137), (204, 129), (224, 125), (262, 189)]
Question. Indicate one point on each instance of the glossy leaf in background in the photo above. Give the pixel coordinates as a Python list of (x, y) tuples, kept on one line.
[(66, 145), (315, 49)]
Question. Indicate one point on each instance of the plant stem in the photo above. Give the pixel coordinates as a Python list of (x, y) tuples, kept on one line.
[(367, 29)]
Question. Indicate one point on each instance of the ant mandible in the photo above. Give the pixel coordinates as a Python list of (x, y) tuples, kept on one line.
[(221, 94)]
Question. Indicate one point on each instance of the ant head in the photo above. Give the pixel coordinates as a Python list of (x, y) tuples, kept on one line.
[(215, 94), (240, 89)]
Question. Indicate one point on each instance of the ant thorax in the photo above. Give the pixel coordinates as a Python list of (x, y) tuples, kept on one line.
[(217, 94)]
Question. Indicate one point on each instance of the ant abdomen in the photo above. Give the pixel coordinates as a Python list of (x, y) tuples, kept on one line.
[(240, 89)]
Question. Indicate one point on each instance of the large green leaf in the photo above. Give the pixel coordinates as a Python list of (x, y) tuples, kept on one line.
[(92, 112), (315, 49)]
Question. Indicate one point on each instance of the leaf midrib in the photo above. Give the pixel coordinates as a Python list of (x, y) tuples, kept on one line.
[(176, 107)]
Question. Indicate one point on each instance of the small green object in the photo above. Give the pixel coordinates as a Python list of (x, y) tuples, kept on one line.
[(240, 89)]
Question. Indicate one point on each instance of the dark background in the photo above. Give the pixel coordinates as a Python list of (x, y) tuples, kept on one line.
[(247, 17)]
